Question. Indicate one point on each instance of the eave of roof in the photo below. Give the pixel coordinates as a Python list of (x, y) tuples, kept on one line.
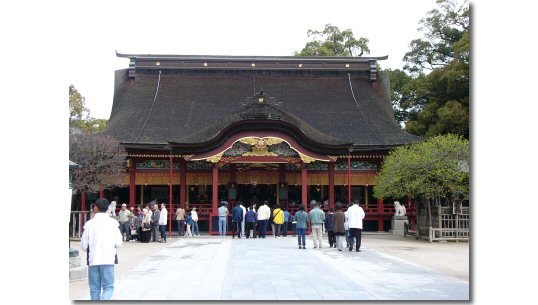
[(268, 63), (256, 58)]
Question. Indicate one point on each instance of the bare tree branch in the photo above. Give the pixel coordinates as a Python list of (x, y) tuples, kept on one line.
[(102, 161)]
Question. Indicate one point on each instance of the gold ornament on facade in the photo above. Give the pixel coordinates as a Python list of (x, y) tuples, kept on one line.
[(228, 160), (216, 158), (305, 158), (260, 146)]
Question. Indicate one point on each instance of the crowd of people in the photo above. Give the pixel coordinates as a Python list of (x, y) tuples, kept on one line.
[(149, 224), (337, 224)]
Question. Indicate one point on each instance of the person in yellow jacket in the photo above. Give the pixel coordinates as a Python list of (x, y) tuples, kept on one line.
[(278, 219)]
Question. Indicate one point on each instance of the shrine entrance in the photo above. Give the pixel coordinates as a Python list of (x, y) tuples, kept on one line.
[(257, 193)]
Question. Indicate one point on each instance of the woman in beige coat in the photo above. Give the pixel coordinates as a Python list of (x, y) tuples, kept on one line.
[(146, 226)]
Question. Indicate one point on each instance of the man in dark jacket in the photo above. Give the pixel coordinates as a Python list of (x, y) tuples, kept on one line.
[(251, 222), (237, 218), (329, 226)]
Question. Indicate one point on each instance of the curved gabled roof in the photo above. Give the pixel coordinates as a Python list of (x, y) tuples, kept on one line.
[(194, 105)]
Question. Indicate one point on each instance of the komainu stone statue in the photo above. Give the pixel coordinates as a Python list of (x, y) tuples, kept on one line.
[(399, 210), (111, 211)]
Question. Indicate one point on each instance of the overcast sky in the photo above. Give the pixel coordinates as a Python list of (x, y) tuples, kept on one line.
[(275, 28)]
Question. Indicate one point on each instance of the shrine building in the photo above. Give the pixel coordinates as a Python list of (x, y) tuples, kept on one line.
[(199, 130)]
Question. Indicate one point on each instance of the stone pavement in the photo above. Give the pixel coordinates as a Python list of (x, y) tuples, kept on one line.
[(213, 268)]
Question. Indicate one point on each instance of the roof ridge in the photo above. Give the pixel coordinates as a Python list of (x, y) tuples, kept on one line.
[(249, 57)]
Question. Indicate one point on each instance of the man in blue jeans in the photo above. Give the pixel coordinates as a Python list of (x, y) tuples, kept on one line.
[(223, 218), (301, 217), (100, 239)]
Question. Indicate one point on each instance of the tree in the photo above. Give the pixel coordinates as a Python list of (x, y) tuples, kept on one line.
[(102, 161), (79, 115), (431, 95), (436, 169), (333, 42), (405, 95), (443, 28)]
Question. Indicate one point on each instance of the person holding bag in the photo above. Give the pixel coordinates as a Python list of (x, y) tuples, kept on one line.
[(146, 226), (278, 219)]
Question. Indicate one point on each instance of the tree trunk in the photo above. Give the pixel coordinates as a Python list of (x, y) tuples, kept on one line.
[(428, 207)]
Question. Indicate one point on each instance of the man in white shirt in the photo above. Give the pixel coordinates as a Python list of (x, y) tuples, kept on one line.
[(100, 239), (194, 215), (264, 212), (244, 216), (355, 216), (163, 219)]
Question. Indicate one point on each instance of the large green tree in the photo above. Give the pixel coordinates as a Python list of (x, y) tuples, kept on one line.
[(79, 115), (437, 169), (431, 94), (331, 41)]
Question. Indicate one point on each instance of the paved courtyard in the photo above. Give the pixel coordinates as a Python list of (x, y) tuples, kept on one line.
[(213, 268)]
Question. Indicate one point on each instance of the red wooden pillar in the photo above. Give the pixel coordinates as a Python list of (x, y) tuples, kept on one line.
[(380, 213), (214, 211), (132, 183), (331, 184), (170, 202), (304, 187), (183, 183), (83, 208), (349, 180)]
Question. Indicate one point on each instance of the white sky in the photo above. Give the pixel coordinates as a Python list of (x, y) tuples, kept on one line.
[(225, 28)]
